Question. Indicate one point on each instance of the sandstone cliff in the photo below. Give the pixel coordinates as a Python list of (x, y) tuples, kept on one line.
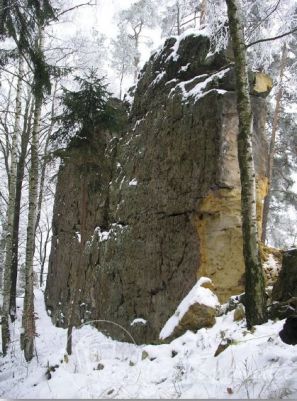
[(139, 216)]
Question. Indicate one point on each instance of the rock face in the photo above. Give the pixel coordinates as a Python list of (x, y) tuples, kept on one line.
[(138, 216), (284, 291), (286, 284), (288, 333)]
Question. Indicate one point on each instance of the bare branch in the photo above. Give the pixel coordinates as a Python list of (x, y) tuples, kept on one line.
[(267, 15), (89, 3), (273, 38)]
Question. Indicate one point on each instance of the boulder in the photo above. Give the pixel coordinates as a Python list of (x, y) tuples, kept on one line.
[(197, 317), (197, 310)]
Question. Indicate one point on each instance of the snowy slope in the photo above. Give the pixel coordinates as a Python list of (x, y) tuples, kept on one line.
[(255, 365)]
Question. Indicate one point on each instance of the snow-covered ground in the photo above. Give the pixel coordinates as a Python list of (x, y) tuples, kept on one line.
[(255, 365)]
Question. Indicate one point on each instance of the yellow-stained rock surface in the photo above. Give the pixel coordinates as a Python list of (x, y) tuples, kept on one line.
[(218, 218), (219, 231), (239, 313), (263, 83)]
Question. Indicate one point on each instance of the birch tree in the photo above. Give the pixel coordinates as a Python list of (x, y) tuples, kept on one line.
[(27, 125), (10, 214), (255, 297), (28, 321), (19, 21)]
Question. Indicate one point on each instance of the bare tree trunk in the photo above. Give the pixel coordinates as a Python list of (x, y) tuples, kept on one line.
[(42, 183), (121, 82), (275, 126), (10, 214), (17, 205), (45, 157), (203, 5), (255, 298), (2, 249), (178, 17), (136, 57), (43, 253), (28, 312), (28, 321)]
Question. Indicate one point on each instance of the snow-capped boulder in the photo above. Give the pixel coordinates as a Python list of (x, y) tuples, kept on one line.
[(197, 310)]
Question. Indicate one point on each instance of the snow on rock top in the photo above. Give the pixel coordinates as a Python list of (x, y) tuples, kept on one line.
[(138, 320), (133, 183), (198, 294), (198, 90), (189, 32)]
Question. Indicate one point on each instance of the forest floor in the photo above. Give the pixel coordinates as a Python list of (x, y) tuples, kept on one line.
[(255, 365)]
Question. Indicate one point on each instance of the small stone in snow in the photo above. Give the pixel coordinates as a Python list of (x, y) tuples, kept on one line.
[(100, 366)]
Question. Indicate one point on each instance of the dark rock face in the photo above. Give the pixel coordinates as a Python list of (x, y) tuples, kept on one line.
[(284, 292), (125, 231), (289, 332), (286, 285)]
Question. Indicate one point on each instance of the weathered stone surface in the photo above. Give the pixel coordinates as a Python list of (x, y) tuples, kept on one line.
[(239, 313), (284, 292), (138, 217), (286, 285), (197, 317), (281, 310), (272, 262)]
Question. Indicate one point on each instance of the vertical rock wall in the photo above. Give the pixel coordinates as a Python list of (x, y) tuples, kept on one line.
[(139, 216)]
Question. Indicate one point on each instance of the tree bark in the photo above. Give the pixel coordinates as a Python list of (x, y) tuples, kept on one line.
[(136, 57), (121, 82), (2, 249), (17, 204), (28, 321), (10, 214), (28, 312), (178, 17), (275, 126), (43, 255), (45, 158), (203, 5), (255, 297)]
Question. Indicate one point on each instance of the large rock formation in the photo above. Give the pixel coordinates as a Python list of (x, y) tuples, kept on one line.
[(139, 216)]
